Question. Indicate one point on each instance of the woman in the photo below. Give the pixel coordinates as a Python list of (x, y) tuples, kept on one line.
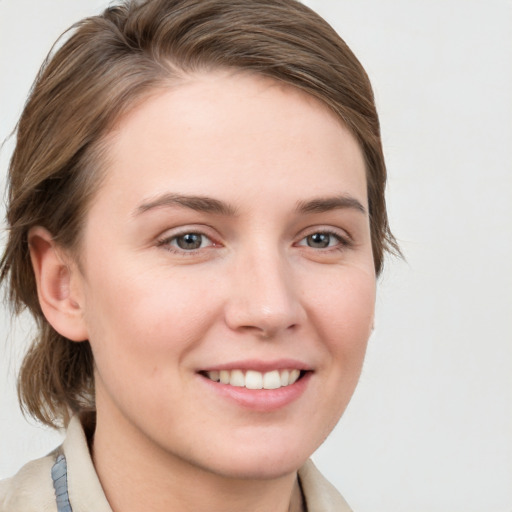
[(197, 220)]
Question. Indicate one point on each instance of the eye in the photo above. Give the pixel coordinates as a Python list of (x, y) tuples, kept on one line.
[(322, 240), (189, 241), (186, 242)]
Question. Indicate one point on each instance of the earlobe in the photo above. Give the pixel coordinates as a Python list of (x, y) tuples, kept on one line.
[(55, 276)]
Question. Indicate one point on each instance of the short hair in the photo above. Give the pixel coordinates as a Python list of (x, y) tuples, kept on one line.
[(108, 64)]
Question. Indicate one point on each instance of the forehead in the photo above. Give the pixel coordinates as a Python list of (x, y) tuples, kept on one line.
[(226, 132)]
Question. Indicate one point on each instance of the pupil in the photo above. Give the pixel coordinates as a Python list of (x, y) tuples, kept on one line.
[(319, 240), (189, 241)]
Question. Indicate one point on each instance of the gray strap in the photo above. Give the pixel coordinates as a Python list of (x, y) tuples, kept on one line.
[(60, 484)]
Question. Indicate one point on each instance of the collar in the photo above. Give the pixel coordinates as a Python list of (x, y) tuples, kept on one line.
[(86, 494)]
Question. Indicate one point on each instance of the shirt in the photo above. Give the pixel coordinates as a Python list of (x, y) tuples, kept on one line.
[(66, 481)]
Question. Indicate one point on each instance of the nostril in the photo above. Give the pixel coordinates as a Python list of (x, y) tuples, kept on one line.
[(268, 332), (263, 312)]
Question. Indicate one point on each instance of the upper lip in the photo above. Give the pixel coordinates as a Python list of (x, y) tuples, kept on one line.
[(260, 366)]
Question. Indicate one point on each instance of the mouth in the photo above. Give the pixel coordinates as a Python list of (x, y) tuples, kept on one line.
[(259, 386), (253, 379)]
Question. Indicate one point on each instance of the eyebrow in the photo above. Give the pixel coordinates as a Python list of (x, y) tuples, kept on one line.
[(210, 205), (325, 204), (197, 203)]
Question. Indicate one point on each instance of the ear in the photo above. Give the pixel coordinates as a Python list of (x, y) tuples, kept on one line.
[(58, 285)]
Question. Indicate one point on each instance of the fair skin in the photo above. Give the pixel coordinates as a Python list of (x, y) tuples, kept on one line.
[(231, 233)]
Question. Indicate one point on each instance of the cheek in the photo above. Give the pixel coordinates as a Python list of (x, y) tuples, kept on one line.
[(136, 318), (139, 328), (346, 311), (344, 318)]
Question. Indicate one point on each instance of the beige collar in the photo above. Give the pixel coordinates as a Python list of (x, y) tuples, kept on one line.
[(312, 493)]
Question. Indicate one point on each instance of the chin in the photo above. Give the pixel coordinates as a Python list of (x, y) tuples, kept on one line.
[(259, 468), (260, 460)]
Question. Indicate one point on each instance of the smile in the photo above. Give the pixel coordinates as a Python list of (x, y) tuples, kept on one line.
[(252, 379)]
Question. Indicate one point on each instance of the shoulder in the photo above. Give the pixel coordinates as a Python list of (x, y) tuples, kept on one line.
[(319, 493), (31, 489)]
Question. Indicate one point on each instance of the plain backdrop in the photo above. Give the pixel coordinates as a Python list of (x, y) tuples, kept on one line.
[(430, 426)]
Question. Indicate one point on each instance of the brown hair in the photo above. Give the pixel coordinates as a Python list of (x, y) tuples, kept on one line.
[(108, 63)]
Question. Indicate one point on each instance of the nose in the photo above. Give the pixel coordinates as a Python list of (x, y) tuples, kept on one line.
[(264, 295)]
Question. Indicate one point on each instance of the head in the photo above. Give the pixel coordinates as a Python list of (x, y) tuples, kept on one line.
[(109, 66)]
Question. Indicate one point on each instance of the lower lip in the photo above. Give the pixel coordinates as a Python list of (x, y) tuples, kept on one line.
[(260, 400)]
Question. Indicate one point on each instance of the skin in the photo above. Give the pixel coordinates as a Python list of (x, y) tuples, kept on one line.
[(256, 289)]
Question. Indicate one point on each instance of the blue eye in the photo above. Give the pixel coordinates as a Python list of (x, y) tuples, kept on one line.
[(186, 242), (322, 240), (189, 241), (319, 240)]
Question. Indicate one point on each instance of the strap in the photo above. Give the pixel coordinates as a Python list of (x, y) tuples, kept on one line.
[(60, 484)]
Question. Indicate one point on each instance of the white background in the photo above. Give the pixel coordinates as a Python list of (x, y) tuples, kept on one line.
[(430, 426)]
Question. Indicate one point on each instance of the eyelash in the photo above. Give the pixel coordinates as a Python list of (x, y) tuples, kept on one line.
[(167, 243), (343, 242)]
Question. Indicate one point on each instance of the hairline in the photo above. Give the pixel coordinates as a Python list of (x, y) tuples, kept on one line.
[(98, 156)]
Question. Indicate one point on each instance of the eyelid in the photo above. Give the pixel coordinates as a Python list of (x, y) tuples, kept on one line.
[(170, 235), (345, 239)]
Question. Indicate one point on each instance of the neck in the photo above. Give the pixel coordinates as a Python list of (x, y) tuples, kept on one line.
[(136, 475)]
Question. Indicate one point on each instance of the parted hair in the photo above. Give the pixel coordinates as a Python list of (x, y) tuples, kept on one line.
[(106, 65)]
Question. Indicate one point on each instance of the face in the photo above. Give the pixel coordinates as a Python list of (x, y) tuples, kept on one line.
[(227, 281)]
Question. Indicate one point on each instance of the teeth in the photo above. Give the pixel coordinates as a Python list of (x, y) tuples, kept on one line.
[(252, 379), (294, 375), (237, 379), (272, 380)]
